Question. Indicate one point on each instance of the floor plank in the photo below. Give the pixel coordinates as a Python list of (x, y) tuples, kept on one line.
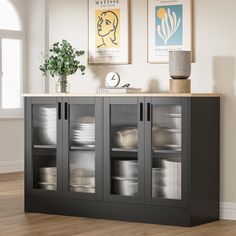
[(14, 222)]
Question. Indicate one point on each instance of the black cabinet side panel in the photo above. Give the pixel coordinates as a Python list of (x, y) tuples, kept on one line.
[(204, 161), (27, 153)]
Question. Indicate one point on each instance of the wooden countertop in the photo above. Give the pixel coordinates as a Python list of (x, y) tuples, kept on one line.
[(123, 95)]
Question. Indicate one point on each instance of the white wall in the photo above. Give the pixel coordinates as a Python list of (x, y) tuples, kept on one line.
[(35, 40), (11, 130), (11, 145), (214, 70), (33, 15)]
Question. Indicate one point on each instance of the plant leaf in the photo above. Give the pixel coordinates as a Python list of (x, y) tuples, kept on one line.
[(62, 60)]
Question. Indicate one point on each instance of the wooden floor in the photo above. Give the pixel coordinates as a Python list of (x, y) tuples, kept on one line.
[(13, 220)]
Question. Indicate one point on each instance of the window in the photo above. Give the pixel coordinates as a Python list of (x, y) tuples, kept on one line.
[(11, 37)]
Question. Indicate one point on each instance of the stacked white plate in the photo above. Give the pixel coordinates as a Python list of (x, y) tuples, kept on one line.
[(47, 125), (172, 179), (157, 182), (82, 180), (82, 171), (125, 177), (48, 178), (83, 133)]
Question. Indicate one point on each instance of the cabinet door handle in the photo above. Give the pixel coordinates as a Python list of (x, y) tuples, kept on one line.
[(149, 111), (141, 111), (59, 111), (66, 110)]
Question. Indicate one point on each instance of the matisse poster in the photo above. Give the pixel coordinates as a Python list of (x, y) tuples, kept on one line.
[(169, 28), (109, 32)]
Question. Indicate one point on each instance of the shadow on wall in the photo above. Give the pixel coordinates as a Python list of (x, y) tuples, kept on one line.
[(154, 87), (224, 83), (99, 71), (224, 75)]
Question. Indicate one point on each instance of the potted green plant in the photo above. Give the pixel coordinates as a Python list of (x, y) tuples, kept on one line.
[(62, 61)]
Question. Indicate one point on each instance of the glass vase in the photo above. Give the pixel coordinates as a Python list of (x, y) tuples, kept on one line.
[(62, 85)]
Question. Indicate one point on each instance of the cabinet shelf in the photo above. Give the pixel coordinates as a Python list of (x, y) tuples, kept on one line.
[(124, 150), (124, 154), (165, 151), (45, 146), (166, 129), (82, 148), (174, 115)]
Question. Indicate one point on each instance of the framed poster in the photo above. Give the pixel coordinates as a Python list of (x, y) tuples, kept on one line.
[(109, 32), (169, 28)]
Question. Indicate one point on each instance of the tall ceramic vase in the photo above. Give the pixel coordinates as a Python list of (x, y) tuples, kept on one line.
[(62, 85), (180, 70), (180, 64)]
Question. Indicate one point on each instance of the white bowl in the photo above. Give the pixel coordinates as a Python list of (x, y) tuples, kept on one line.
[(76, 172), (128, 138), (125, 168), (48, 171), (47, 136), (82, 189), (125, 187), (47, 186), (85, 181)]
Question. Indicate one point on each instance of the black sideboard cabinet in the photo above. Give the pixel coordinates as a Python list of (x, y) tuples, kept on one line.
[(143, 159)]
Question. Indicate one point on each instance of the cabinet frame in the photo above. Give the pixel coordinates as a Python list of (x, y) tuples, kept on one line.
[(200, 163)]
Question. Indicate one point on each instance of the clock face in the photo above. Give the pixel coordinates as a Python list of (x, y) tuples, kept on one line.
[(112, 79)]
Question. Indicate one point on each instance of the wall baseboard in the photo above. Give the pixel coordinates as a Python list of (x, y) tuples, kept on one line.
[(228, 211), (8, 167)]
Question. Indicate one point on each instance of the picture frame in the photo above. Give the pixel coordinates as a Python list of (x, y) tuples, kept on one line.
[(170, 27), (109, 32)]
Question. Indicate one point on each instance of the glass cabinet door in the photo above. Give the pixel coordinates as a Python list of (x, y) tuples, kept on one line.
[(124, 163), (84, 145), (168, 157), (166, 152), (45, 144), (82, 148)]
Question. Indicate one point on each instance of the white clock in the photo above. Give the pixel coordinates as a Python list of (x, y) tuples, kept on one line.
[(112, 79)]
